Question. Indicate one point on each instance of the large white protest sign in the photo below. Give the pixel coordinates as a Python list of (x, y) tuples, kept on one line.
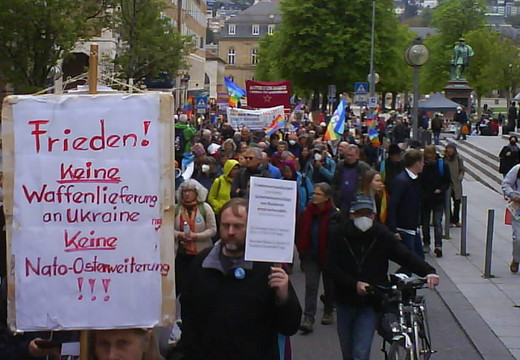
[(271, 220), (253, 119), (87, 210)]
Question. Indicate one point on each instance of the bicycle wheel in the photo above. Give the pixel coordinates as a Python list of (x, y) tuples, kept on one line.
[(397, 351), (423, 339)]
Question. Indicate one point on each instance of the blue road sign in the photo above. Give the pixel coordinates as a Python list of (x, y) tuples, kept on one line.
[(360, 88), (201, 104)]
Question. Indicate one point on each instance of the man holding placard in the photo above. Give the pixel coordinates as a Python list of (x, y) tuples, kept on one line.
[(233, 308)]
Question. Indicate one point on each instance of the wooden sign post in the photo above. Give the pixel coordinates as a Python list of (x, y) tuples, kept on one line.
[(89, 204)]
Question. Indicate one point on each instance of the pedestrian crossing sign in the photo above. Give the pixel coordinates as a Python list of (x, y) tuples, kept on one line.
[(360, 88), (201, 103)]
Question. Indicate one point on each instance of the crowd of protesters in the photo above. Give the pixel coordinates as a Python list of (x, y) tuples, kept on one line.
[(382, 175), (361, 201)]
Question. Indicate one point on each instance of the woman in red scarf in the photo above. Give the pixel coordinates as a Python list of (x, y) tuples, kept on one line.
[(194, 226), (312, 247)]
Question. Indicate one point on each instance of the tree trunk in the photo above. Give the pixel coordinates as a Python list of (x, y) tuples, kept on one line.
[(315, 105), (394, 100), (324, 101)]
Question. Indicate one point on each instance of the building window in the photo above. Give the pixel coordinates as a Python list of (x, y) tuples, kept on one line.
[(232, 29), (255, 30), (270, 29), (254, 56), (231, 56)]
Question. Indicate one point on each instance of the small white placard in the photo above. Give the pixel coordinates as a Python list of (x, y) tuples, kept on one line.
[(70, 349), (271, 220)]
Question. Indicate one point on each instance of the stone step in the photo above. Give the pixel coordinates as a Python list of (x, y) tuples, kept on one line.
[(477, 165), (484, 156)]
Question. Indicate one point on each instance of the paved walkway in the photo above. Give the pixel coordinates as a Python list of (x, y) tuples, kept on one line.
[(496, 299)]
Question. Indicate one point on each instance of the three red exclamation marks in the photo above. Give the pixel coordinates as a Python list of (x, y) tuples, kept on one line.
[(105, 283)]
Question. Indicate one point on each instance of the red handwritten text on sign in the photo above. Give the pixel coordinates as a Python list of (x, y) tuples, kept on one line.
[(69, 141)]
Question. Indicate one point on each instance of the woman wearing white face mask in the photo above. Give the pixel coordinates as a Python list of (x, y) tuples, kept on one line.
[(207, 173), (323, 165)]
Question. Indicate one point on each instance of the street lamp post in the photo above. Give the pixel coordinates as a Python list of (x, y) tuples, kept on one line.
[(372, 81), (416, 56)]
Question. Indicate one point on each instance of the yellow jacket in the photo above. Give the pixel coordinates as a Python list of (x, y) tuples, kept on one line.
[(220, 192)]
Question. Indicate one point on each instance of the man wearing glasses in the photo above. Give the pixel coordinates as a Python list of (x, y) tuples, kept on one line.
[(254, 167)]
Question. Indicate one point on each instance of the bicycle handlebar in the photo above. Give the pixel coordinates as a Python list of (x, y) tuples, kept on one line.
[(402, 284)]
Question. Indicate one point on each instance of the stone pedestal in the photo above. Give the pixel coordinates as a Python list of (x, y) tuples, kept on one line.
[(460, 92)]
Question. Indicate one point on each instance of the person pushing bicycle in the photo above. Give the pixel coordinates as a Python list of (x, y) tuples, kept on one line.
[(357, 257)]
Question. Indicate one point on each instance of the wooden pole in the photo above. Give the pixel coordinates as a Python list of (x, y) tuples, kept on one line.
[(93, 69), (84, 345), (92, 89)]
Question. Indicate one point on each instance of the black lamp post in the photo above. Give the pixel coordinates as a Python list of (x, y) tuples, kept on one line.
[(416, 55)]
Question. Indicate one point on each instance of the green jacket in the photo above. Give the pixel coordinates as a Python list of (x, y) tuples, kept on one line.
[(183, 140)]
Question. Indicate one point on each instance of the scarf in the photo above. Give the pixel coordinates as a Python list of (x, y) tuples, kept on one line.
[(188, 214), (303, 242)]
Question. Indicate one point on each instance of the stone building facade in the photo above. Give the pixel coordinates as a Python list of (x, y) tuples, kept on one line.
[(239, 39)]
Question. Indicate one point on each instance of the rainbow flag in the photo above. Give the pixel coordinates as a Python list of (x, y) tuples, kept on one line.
[(278, 123), (188, 106), (337, 122), (235, 92), (372, 128), (383, 213), (382, 168)]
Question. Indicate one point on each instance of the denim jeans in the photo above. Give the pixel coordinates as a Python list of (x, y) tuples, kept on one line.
[(436, 137), (413, 242), (516, 239), (437, 226), (356, 327)]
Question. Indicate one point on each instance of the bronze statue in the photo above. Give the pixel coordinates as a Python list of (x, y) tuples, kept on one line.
[(460, 59)]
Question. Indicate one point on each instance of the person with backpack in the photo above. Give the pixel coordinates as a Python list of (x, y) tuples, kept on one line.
[(304, 187), (194, 226), (183, 134), (220, 192), (437, 124), (435, 180)]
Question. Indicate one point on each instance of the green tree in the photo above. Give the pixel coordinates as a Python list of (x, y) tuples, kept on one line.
[(328, 42), (267, 66), (490, 54), (453, 19), (151, 45), (34, 34), (506, 65)]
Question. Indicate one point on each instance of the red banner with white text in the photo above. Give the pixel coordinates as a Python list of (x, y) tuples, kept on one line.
[(264, 94)]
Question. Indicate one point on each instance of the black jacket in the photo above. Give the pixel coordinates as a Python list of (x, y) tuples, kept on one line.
[(404, 207), (433, 178), (354, 256), (508, 161), (229, 319), (241, 180)]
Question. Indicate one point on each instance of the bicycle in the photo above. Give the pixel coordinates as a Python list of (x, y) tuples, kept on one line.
[(406, 330)]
